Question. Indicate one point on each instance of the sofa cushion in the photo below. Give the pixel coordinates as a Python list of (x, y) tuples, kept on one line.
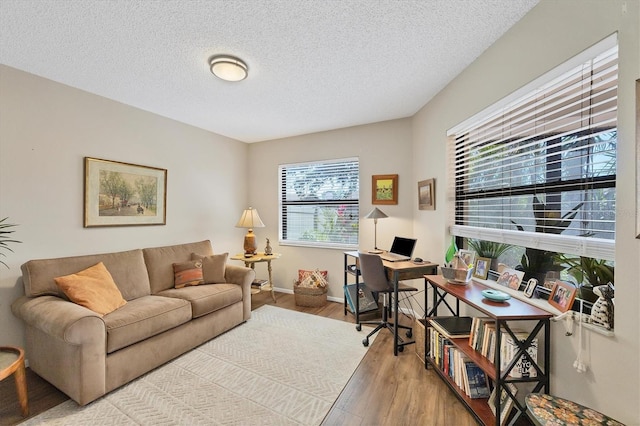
[(187, 273), (142, 318), (160, 260), (205, 299), (92, 288), (127, 269), (213, 267)]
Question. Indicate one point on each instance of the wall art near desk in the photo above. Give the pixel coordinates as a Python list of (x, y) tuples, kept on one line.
[(384, 189), (427, 194), (123, 194)]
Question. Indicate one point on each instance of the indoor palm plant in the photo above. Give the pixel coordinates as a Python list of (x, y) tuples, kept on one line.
[(588, 273), (5, 239)]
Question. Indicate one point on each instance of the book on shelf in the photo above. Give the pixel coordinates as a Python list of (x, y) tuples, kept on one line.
[(477, 381), (452, 327), (523, 367), (259, 283), (506, 403), (366, 301)]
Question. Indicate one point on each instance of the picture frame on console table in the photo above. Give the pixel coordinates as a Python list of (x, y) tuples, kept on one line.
[(562, 296), (123, 194)]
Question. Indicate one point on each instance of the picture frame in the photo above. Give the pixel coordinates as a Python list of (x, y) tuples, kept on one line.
[(427, 194), (481, 268), (469, 256), (530, 288), (562, 296), (384, 189), (510, 278), (123, 194), (638, 158)]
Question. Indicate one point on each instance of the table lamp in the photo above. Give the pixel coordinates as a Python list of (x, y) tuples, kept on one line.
[(375, 214), (250, 219)]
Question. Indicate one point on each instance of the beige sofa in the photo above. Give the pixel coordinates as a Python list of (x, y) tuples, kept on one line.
[(87, 355)]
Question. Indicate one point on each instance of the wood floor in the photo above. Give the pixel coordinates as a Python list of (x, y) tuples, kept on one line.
[(384, 390)]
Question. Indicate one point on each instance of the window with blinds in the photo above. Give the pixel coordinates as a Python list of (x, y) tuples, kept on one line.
[(540, 170), (319, 203)]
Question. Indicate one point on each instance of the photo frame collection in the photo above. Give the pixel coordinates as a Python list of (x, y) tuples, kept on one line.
[(123, 194)]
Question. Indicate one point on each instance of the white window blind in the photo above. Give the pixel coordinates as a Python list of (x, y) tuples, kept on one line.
[(319, 203), (540, 170)]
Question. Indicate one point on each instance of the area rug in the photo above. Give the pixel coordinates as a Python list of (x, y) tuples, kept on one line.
[(281, 367)]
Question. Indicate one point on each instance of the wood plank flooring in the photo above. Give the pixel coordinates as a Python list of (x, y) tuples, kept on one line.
[(384, 389)]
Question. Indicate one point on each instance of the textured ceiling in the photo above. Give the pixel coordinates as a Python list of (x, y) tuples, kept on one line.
[(313, 65)]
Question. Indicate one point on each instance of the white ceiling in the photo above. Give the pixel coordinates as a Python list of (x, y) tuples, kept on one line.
[(313, 65)]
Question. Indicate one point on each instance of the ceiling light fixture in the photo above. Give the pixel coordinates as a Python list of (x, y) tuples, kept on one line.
[(228, 68)]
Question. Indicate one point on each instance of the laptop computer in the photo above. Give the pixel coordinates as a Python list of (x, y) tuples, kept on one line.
[(401, 250)]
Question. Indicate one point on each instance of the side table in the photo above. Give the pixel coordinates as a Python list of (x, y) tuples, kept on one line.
[(257, 258), (12, 362)]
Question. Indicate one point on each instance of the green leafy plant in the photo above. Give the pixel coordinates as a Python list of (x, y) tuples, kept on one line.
[(535, 262), (5, 239), (488, 249), (588, 273)]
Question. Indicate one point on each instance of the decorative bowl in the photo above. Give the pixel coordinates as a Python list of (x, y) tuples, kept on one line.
[(457, 276)]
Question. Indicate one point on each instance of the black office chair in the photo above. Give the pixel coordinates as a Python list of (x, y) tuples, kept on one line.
[(374, 277)]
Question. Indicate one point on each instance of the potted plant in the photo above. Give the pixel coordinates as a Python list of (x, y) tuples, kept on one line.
[(5, 239), (588, 273), (489, 249)]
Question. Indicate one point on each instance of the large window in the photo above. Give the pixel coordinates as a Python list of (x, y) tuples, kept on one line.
[(319, 203), (539, 171)]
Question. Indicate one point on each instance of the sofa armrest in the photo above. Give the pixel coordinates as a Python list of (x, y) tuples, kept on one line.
[(66, 344), (243, 277), (60, 318)]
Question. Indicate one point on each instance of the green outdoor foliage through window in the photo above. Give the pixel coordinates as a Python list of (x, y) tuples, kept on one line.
[(319, 203)]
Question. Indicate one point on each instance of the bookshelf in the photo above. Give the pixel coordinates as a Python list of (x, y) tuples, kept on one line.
[(508, 317)]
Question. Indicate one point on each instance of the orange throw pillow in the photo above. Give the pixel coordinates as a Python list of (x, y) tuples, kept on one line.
[(92, 288), (187, 273)]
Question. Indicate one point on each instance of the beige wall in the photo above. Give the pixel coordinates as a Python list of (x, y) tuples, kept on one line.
[(45, 131), (382, 148), (551, 33)]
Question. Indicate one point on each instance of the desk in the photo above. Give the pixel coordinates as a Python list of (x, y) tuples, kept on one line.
[(257, 258), (396, 272), (12, 362)]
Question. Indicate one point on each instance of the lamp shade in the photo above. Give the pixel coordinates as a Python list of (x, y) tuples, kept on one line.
[(250, 219), (376, 213)]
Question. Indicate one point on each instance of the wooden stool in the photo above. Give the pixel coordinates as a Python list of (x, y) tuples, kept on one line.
[(12, 361)]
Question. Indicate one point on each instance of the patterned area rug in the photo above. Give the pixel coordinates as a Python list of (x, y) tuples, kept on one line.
[(281, 367)]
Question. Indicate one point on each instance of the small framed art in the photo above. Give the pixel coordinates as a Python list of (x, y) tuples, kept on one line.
[(384, 189), (481, 268), (427, 194), (510, 278), (562, 296), (123, 194), (530, 287), (469, 256)]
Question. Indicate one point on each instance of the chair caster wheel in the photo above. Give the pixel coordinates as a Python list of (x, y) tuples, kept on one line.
[(401, 349), (359, 327), (365, 342), (409, 333)]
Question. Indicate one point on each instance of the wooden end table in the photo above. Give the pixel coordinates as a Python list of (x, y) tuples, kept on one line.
[(12, 362), (250, 262)]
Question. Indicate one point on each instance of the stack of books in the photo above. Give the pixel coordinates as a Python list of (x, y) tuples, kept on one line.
[(451, 361), (259, 283)]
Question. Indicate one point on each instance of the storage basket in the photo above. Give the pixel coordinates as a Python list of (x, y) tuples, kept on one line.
[(419, 331), (310, 296), (457, 276)]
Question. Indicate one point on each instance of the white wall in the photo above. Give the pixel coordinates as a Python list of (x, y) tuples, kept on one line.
[(382, 148), (550, 34), (46, 129)]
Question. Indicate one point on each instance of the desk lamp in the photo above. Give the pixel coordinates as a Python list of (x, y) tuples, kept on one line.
[(250, 219), (375, 214)]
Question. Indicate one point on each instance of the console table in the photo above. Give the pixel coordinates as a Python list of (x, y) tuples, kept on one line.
[(504, 316), (396, 272), (250, 262)]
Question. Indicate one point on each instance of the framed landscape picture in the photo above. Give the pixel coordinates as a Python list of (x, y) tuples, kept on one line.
[(384, 189), (123, 194)]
